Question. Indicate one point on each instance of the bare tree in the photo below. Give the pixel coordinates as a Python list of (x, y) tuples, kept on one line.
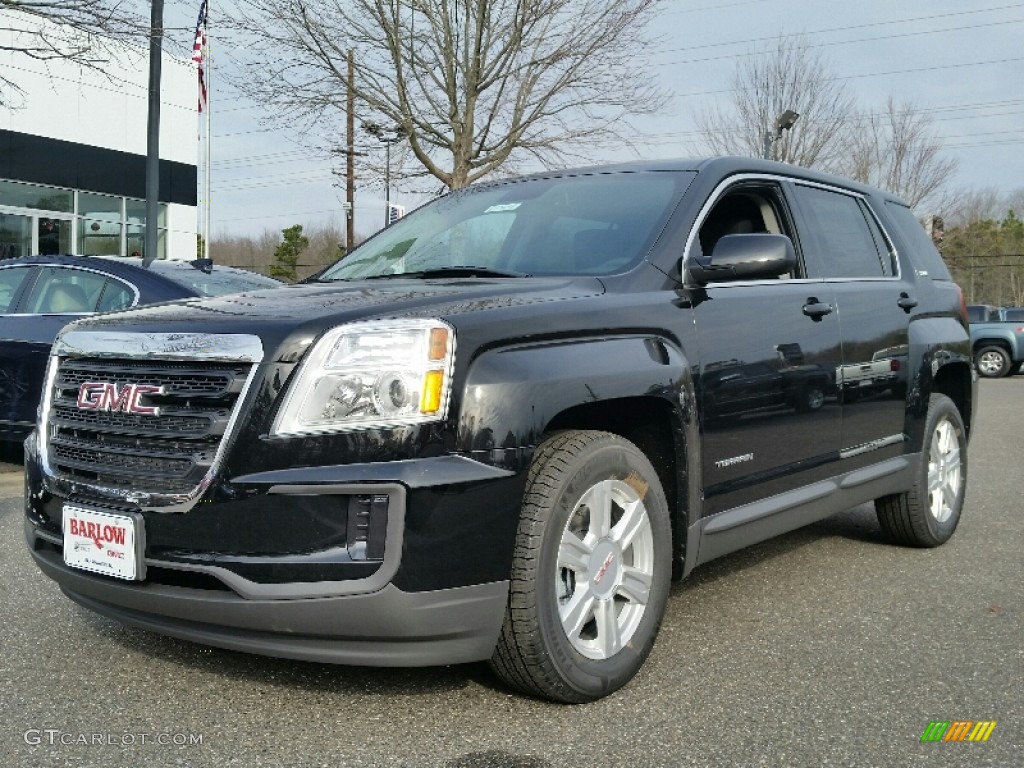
[(473, 85), (896, 149), (84, 32), (792, 76)]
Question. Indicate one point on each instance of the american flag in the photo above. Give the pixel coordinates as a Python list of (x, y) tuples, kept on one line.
[(197, 53)]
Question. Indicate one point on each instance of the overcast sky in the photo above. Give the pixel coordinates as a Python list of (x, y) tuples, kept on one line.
[(962, 63)]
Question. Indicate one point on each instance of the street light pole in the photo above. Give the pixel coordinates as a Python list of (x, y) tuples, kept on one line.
[(387, 183), (784, 123), (387, 137)]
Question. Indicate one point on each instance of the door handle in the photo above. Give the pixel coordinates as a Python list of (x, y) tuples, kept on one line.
[(906, 301), (815, 309)]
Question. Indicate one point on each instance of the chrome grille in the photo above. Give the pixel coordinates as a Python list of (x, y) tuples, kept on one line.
[(170, 452)]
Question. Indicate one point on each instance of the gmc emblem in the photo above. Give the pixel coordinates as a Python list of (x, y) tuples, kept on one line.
[(105, 396)]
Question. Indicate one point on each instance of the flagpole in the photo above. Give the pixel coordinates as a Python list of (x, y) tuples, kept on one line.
[(209, 136), (200, 55)]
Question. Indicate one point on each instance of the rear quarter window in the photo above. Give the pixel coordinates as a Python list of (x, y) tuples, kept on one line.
[(923, 256)]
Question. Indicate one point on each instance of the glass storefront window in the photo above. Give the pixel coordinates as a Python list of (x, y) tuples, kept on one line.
[(102, 207), (137, 242), (105, 225), (15, 235), (18, 195), (135, 210), (99, 238), (54, 236)]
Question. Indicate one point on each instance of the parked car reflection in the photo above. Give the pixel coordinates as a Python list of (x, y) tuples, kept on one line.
[(886, 371), (733, 388), (39, 295)]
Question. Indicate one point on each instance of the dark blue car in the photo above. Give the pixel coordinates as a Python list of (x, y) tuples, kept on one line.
[(39, 295)]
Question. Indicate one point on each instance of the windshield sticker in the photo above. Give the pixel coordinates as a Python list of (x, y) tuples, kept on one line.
[(503, 207)]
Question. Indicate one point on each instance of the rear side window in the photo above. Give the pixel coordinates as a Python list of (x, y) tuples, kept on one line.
[(925, 258), (115, 295), (219, 282), (843, 234), (981, 313), (61, 291), (1015, 315)]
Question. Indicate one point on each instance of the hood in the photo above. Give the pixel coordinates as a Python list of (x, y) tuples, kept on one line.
[(288, 319)]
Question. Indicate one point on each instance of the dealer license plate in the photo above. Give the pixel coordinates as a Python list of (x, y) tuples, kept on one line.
[(102, 542)]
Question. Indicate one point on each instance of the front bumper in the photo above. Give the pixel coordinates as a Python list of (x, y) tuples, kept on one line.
[(436, 596)]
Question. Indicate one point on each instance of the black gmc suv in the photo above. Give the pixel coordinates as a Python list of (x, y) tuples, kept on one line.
[(500, 427)]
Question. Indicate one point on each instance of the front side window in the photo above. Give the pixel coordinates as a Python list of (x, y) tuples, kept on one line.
[(11, 280), (841, 235), (744, 209), (598, 224)]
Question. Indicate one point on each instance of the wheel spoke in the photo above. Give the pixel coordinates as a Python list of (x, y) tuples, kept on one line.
[(952, 458), (608, 637), (634, 520), (574, 553), (949, 493), (599, 501), (578, 611), (934, 479), (635, 586)]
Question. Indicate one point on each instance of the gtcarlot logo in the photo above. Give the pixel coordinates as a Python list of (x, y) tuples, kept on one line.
[(53, 737), (958, 730)]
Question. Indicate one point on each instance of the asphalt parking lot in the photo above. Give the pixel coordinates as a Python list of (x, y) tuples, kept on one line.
[(826, 647)]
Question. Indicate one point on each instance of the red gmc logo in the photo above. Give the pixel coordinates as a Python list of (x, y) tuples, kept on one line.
[(105, 396)]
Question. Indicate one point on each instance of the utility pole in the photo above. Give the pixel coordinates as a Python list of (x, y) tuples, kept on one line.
[(350, 159)]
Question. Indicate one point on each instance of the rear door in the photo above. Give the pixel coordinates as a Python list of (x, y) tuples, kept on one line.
[(875, 302)]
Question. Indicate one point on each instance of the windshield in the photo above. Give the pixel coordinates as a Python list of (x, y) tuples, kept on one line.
[(577, 225), (217, 282)]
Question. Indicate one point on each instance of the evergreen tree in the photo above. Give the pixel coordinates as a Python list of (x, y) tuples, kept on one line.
[(286, 255)]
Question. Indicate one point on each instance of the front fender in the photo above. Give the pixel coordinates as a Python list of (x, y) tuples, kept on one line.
[(512, 394)]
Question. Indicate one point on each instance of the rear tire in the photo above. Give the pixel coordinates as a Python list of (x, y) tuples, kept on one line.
[(810, 398), (992, 362), (928, 514), (591, 570)]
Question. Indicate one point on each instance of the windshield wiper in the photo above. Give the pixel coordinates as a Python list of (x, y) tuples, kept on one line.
[(458, 271)]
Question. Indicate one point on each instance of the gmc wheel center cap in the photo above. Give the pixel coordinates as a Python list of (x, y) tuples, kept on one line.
[(606, 566)]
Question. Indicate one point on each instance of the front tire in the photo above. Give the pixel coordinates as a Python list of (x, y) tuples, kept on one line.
[(992, 362), (927, 514), (591, 570)]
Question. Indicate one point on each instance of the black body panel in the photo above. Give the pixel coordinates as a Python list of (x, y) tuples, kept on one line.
[(738, 391)]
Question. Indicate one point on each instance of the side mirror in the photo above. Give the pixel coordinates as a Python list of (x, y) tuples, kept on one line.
[(744, 257)]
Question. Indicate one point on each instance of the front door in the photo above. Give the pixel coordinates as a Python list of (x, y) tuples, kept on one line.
[(769, 351)]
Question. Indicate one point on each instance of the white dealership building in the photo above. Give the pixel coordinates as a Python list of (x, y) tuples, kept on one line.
[(73, 153)]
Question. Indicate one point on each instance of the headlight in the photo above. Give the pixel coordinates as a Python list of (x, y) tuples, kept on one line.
[(371, 374)]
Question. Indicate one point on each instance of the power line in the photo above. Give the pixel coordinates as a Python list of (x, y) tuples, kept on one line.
[(733, 56), (847, 28)]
